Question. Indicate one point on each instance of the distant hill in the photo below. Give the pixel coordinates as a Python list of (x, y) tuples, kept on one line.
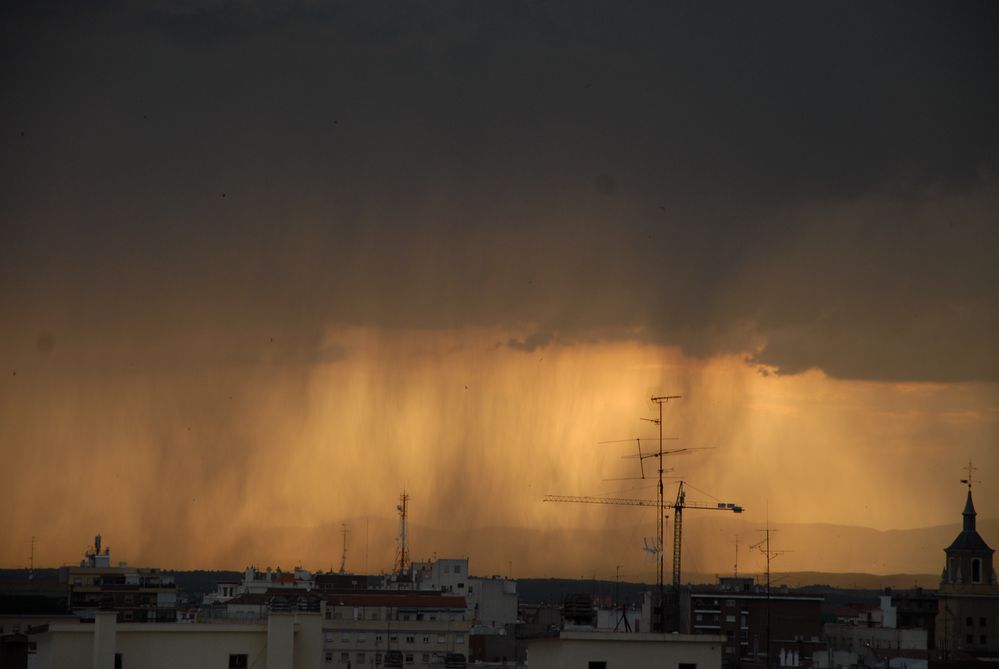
[(823, 553), (898, 557)]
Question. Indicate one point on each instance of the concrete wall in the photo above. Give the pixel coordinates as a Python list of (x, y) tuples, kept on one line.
[(209, 646), (624, 651), (308, 640), (281, 640), (493, 601), (289, 641), (856, 639), (70, 648), (105, 631)]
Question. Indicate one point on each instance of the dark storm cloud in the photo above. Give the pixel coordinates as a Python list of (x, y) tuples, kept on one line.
[(813, 182)]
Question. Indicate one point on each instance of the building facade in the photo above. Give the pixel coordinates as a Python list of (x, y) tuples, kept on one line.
[(375, 628), (281, 641), (609, 650), (137, 594), (750, 621)]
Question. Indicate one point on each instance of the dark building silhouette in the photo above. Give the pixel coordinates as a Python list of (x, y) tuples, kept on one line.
[(967, 622)]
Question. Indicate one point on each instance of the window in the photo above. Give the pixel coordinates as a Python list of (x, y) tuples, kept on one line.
[(238, 661), (730, 619), (982, 622), (426, 639), (976, 570), (459, 638), (345, 657), (982, 639), (441, 639), (393, 638), (329, 636), (361, 637), (461, 586), (409, 658), (378, 638), (360, 658), (410, 639), (596, 665), (329, 657), (969, 639), (684, 665), (951, 570), (730, 602), (117, 660), (345, 636)]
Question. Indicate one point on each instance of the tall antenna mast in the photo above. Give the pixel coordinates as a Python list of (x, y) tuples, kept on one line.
[(402, 508), (660, 520), (764, 547), (343, 558)]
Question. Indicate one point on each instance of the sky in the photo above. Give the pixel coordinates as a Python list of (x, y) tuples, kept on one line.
[(264, 265)]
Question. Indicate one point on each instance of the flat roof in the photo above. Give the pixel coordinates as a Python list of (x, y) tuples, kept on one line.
[(761, 596), (169, 628), (643, 637)]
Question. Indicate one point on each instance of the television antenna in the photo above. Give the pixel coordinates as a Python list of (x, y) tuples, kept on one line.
[(763, 547), (343, 558)]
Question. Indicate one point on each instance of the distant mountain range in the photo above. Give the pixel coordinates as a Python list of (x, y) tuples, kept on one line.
[(833, 554), (838, 555)]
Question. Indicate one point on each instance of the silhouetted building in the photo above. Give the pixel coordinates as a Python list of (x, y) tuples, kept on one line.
[(743, 617), (136, 594), (967, 622), (917, 609)]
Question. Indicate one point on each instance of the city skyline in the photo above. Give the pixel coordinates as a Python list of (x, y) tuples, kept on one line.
[(269, 265)]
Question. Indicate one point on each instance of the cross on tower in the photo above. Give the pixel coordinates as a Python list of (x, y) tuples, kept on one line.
[(968, 480)]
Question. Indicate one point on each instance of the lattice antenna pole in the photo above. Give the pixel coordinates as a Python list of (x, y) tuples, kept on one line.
[(343, 557), (403, 509), (660, 520)]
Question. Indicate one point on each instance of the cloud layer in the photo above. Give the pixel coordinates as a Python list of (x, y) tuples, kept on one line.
[(815, 187)]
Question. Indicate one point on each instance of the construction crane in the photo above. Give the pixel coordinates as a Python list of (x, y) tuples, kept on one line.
[(678, 506)]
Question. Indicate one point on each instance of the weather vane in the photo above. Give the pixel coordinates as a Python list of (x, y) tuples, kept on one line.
[(968, 480)]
